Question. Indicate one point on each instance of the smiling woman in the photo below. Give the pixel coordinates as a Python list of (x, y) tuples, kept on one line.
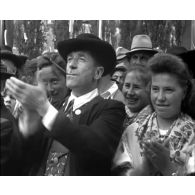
[(159, 144)]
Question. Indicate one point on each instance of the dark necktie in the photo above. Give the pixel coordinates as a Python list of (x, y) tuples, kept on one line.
[(69, 110)]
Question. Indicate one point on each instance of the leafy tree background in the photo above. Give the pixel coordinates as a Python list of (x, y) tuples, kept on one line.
[(31, 36)]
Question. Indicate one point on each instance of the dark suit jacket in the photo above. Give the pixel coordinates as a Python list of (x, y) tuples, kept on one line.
[(11, 144), (92, 138)]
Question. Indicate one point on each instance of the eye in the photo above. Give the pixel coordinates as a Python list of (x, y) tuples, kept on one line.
[(154, 89), (134, 57), (169, 90), (126, 85), (12, 97), (69, 58), (136, 87), (82, 59), (54, 82)]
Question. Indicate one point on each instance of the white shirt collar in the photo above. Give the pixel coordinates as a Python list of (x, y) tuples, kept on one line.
[(81, 100), (112, 90)]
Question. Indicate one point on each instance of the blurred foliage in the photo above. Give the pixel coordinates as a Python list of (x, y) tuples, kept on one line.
[(29, 37)]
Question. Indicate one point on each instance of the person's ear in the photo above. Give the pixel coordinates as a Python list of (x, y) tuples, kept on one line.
[(99, 72)]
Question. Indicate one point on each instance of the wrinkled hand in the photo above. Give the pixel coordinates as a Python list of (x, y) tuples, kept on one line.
[(31, 97), (159, 156)]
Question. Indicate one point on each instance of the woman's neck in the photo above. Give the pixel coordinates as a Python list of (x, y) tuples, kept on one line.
[(164, 123)]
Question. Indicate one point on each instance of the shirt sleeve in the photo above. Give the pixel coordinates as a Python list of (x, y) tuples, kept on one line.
[(49, 118)]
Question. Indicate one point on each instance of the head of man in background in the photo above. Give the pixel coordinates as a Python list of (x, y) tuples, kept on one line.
[(51, 72), (121, 57), (141, 50), (119, 75)]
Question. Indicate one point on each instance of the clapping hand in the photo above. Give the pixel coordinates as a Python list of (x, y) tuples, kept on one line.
[(31, 97), (159, 156), (34, 102)]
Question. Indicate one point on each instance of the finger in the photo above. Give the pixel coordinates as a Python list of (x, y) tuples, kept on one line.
[(14, 90), (166, 142), (157, 146), (149, 154), (17, 82)]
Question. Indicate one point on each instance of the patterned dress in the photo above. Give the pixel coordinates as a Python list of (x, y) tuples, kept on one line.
[(181, 137)]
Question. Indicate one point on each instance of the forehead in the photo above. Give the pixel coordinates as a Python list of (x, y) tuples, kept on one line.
[(165, 80), (80, 53), (142, 53), (134, 77), (49, 72)]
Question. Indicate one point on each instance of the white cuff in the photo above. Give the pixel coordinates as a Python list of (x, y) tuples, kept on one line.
[(49, 118)]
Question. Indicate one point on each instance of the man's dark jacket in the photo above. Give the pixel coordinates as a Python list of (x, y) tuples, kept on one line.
[(11, 143), (92, 138)]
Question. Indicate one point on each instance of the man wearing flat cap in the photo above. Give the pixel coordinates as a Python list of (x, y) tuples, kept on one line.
[(10, 136), (141, 50), (87, 130)]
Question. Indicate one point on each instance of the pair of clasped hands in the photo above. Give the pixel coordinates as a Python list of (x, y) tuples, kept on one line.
[(33, 100)]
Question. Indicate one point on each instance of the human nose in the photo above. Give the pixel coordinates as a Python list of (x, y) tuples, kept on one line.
[(161, 96), (130, 91), (49, 87), (72, 64)]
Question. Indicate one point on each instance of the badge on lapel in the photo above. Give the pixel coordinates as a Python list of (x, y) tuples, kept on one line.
[(78, 112)]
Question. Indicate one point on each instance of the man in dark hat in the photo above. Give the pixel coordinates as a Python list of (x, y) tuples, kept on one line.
[(87, 134), (10, 136), (141, 50)]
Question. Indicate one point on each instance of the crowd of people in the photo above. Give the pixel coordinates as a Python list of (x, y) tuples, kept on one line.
[(91, 110)]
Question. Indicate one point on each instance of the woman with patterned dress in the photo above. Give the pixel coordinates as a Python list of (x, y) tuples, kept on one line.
[(162, 143), (136, 94)]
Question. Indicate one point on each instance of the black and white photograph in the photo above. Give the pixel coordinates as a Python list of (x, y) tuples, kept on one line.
[(97, 97)]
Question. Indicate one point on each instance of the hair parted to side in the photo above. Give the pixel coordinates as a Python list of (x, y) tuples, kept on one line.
[(171, 64)]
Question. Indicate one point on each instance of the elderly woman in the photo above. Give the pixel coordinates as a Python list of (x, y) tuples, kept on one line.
[(162, 144), (136, 93)]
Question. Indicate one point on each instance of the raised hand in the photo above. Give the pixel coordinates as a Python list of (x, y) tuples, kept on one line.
[(31, 97)]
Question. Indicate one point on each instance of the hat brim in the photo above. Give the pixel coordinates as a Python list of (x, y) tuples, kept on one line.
[(15, 59), (5, 76), (151, 51), (122, 57), (120, 68), (103, 51)]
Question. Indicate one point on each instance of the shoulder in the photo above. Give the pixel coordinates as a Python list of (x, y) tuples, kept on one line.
[(119, 96), (108, 103)]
